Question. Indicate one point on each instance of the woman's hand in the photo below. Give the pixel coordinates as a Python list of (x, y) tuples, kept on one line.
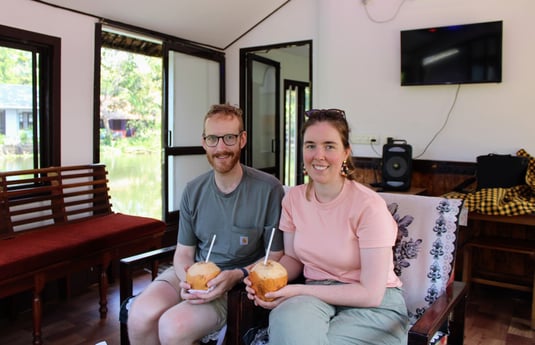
[(277, 297), (251, 293)]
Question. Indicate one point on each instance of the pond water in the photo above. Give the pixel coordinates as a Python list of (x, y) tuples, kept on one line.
[(134, 180), (135, 183), (15, 162)]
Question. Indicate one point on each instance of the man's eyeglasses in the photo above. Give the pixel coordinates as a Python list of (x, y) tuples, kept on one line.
[(332, 113), (228, 139)]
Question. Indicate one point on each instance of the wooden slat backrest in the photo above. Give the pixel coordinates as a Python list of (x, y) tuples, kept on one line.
[(4, 224), (38, 197)]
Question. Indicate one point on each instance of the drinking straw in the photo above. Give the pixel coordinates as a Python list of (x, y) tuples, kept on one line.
[(210, 250), (269, 245)]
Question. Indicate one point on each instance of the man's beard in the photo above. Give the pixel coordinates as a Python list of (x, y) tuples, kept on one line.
[(225, 166)]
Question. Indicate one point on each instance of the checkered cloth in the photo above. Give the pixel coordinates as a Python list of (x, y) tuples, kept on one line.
[(514, 201)]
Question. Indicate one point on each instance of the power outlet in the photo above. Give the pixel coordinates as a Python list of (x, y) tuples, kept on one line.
[(365, 139)]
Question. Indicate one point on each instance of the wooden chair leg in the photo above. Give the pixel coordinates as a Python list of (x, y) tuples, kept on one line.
[(124, 335), (103, 291), (456, 323), (39, 285), (126, 288), (467, 264), (533, 303)]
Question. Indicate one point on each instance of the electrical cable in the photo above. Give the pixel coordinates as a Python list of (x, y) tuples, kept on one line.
[(444, 124), (373, 148), (365, 3)]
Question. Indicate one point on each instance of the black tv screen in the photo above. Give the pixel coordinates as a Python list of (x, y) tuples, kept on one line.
[(456, 54)]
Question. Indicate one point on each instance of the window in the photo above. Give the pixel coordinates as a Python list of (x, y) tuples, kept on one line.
[(29, 99), (130, 117), (191, 78)]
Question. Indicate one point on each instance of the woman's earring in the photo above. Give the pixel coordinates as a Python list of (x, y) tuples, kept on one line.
[(344, 169), (305, 172)]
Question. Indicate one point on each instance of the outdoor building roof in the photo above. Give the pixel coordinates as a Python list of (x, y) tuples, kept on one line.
[(15, 96)]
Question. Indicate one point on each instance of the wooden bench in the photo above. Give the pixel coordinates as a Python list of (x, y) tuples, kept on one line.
[(56, 221)]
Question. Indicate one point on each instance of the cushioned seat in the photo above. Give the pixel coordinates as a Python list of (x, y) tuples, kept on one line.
[(40, 248)]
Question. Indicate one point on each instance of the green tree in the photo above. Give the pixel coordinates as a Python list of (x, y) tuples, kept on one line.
[(15, 66), (131, 83)]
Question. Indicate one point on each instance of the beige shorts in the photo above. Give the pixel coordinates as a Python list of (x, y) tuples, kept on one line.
[(219, 305)]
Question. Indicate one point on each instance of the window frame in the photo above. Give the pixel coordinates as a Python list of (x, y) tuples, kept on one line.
[(47, 101), (168, 43)]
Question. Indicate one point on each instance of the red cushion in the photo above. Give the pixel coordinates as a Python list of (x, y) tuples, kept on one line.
[(37, 249)]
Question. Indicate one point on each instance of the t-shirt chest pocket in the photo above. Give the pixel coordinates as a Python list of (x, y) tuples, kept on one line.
[(244, 241)]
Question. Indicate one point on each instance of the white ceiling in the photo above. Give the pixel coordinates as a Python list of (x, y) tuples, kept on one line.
[(216, 23)]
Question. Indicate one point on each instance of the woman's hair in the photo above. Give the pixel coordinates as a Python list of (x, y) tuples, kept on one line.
[(337, 119), (226, 109)]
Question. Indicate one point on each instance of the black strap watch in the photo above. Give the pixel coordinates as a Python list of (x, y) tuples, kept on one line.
[(244, 271)]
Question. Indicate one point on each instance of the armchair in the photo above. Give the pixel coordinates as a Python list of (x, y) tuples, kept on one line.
[(424, 257), (424, 260)]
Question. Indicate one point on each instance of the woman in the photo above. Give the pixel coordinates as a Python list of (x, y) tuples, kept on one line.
[(339, 234)]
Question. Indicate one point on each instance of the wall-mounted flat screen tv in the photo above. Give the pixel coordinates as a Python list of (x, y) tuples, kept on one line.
[(455, 54)]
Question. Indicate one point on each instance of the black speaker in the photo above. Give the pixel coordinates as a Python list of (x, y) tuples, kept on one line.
[(397, 166)]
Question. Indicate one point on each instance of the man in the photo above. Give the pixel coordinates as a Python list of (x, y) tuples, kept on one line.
[(238, 204)]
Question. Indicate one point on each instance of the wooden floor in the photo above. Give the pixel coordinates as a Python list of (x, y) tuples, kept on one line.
[(494, 317)]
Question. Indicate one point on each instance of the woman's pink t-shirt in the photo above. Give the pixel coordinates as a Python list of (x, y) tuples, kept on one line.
[(328, 236)]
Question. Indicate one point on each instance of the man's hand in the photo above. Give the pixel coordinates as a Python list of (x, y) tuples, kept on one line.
[(217, 287)]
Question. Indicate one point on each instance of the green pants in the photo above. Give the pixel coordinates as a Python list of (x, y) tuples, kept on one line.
[(308, 320)]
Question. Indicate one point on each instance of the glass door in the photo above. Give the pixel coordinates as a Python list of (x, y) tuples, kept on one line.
[(262, 117), (273, 124), (296, 102), (191, 85)]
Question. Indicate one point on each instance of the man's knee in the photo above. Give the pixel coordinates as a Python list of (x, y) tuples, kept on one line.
[(137, 319), (177, 328), (142, 314)]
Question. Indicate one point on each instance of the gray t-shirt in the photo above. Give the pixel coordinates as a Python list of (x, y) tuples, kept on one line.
[(242, 220)]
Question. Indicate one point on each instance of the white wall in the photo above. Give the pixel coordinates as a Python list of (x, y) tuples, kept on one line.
[(293, 67), (77, 49), (356, 68), (296, 21)]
